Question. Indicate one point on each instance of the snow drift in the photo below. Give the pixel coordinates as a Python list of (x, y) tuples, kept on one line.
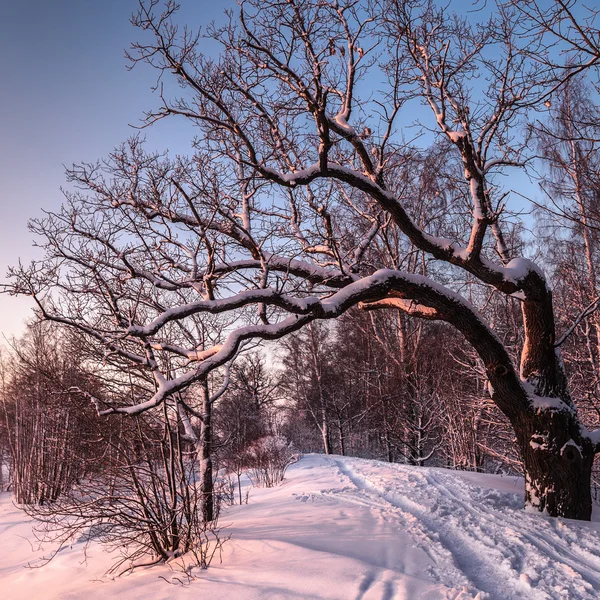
[(345, 528)]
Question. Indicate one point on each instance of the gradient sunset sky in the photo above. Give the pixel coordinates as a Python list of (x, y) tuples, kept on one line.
[(67, 97)]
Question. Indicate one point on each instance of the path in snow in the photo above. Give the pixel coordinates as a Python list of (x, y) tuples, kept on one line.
[(477, 537), (345, 529)]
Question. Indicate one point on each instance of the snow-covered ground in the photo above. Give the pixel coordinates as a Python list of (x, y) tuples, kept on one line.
[(349, 529)]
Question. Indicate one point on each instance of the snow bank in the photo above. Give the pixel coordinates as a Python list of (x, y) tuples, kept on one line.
[(341, 528)]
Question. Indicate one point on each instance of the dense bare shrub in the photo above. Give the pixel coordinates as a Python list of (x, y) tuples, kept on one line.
[(147, 503), (267, 460)]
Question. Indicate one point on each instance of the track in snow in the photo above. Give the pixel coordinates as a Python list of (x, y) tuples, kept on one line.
[(478, 539)]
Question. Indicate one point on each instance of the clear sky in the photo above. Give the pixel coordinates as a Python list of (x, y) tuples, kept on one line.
[(66, 96)]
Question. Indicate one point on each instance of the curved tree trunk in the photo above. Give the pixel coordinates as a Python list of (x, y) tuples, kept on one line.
[(557, 455), (557, 451)]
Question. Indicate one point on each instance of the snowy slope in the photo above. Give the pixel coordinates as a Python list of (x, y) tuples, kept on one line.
[(342, 528)]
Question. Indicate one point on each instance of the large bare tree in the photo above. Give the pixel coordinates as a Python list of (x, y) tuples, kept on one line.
[(301, 184)]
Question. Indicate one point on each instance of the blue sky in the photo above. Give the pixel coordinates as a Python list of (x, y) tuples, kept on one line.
[(66, 97)]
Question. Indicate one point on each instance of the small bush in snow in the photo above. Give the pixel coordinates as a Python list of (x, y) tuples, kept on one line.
[(267, 460), (147, 503)]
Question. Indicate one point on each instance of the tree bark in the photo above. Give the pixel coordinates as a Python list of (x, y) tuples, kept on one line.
[(325, 431), (557, 457), (558, 465), (205, 455)]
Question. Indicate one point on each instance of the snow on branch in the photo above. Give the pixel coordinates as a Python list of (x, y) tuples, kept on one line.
[(509, 279), (399, 289)]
